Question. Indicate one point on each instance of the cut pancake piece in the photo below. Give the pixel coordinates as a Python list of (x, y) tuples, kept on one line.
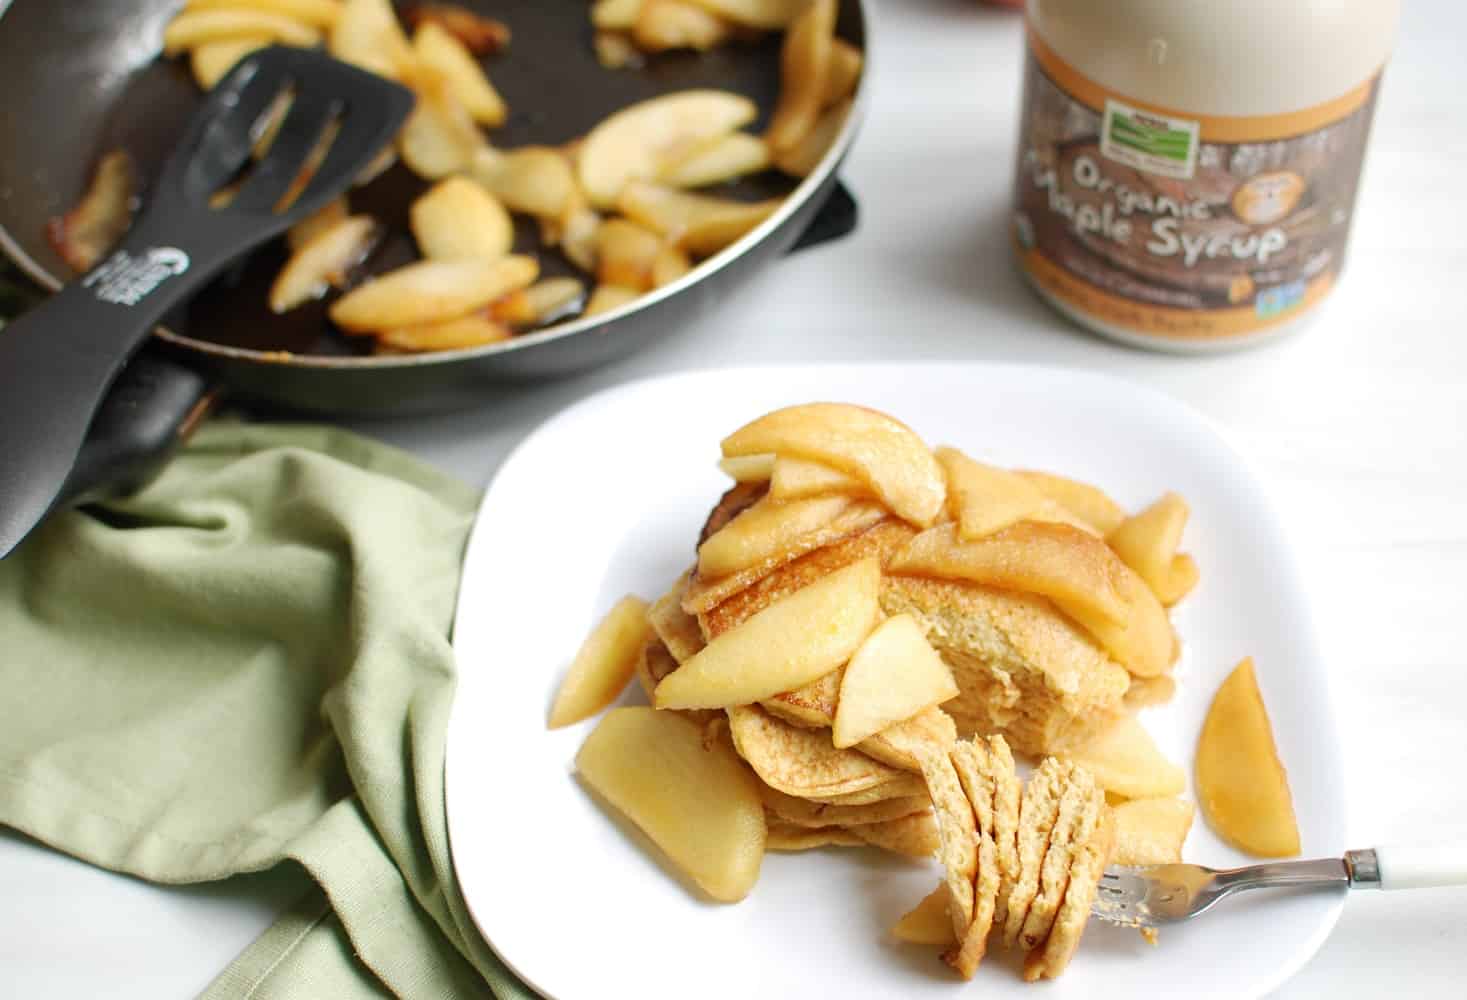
[(956, 828), (803, 763), (1081, 804), (804, 812), (1007, 792), (974, 765), (1049, 960), (1038, 811), (914, 836)]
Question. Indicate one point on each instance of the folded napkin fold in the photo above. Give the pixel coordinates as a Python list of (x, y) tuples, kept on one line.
[(247, 664)]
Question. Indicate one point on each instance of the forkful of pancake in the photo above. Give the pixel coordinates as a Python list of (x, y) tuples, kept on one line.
[(870, 634)]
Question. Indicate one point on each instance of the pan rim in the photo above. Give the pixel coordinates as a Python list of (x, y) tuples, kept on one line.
[(793, 203)]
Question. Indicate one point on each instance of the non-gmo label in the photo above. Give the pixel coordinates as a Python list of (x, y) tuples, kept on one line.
[(1140, 139)]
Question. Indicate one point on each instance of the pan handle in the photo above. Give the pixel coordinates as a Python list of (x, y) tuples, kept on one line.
[(152, 407), (837, 217)]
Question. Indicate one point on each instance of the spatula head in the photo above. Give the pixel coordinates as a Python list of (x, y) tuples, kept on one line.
[(285, 123), (286, 131)]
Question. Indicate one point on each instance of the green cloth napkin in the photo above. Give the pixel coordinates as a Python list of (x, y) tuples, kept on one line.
[(247, 665)]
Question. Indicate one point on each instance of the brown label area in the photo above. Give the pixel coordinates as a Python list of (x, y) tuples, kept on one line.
[(1254, 236)]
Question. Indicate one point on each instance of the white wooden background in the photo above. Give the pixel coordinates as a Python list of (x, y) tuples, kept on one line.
[(1360, 424)]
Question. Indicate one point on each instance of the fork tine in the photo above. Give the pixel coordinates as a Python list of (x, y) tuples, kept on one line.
[(302, 131), (1121, 897)]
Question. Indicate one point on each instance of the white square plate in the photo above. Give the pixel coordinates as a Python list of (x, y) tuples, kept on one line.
[(607, 498)]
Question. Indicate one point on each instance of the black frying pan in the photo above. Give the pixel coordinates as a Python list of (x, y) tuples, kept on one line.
[(83, 76)]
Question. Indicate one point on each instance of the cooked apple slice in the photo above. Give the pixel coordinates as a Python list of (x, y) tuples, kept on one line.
[(431, 290), (748, 468), (700, 224), (785, 646), (543, 302), (466, 81), (755, 13), (927, 922), (1125, 760), (1089, 503), (604, 663), (1151, 831), (984, 498), (633, 142), (614, 50), (804, 66), (212, 60), (1180, 581), (882, 452), (367, 35), (1241, 782), (317, 223), (605, 298), (578, 228), (716, 160), (1145, 645), (323, 262), (1070, 567), (893, 676), (846, 62), (625, 253), (663, 25), (1147, 542), (536, 180), (459, 218), (482, 36), (766, 529), (200, 27), (670, 264), (797, 478), (89, 231), (316, 13), (439, 137), (473, 330), (699, 804), (801, 159), (615, 15)]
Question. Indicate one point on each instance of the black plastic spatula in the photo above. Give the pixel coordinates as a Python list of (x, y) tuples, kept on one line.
[(215, 200)]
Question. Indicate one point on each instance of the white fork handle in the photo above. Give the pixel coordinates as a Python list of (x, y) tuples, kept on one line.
[(1422, 867)]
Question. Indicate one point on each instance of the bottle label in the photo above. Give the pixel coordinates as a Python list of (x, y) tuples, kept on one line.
[(1181, 227)]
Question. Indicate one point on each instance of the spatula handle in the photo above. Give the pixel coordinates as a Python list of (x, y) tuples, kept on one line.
[(58, 359)]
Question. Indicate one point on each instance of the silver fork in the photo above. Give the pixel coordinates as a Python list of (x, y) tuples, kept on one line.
[(1151, 895)]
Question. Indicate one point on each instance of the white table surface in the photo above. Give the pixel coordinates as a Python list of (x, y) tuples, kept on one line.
[(1360, 422)]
